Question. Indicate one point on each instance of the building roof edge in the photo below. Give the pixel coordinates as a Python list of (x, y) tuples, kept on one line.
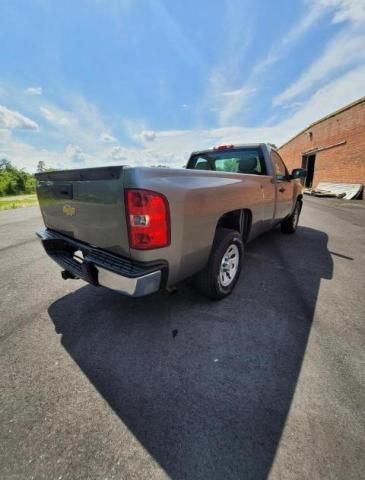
[(333, 114)]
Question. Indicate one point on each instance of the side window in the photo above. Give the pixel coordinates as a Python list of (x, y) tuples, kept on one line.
[(202, 164), (281, 172)]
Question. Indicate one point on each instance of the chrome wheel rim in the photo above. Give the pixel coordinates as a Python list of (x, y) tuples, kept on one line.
[(229, 265)]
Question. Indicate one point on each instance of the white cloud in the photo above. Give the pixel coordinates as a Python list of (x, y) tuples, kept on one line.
[(33, 91), (293, 105), (134, 127), (107, 138), (346, 49), (75, 154), (140, 156), (80, 124), (236, 37), (138, 131), (10, 119), (26, 156), (234, 102), (4, 135), (336, 94), (87, 115), (300, 28), (239, 92), (56, 116), (230, 103), (345, 10), (118, 153), (168, 147), (148, 135), (344, 52)]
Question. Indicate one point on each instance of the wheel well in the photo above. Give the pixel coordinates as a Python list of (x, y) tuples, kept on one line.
[(239, 220)]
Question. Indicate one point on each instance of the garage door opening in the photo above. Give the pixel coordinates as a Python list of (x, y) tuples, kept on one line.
[(308, 162)]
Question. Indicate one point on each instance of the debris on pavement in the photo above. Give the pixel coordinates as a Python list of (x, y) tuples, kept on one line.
[(348, 191)]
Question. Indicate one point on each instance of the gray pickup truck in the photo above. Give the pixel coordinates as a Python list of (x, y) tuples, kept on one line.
[(140, 230)]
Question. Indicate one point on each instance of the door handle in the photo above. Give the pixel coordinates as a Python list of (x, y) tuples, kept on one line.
[(282, 189)]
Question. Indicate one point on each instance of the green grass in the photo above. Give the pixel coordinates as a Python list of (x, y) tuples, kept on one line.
[(17, 201)]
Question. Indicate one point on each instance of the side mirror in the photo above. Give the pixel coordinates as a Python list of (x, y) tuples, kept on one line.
[(298, 173)]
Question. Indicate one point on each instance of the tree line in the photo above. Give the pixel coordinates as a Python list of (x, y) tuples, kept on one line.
[(14, 181)]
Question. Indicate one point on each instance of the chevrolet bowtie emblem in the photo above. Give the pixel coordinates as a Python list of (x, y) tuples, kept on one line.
[(68, 210)]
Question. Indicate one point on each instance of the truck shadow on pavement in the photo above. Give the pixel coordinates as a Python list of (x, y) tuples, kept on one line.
[(204, 386)]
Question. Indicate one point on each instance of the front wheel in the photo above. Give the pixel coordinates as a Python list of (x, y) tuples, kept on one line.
[(290, 224), (220, 275)]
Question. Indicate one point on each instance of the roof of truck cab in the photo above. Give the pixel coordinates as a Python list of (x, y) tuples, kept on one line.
[(235, 147)]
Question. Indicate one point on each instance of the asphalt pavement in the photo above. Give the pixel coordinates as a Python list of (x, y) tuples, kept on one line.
[(268, 383)]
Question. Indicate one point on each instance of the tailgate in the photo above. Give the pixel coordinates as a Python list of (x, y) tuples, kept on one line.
[(86, 204)]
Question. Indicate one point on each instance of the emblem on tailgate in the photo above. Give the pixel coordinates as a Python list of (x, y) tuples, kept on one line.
[(68, 210)]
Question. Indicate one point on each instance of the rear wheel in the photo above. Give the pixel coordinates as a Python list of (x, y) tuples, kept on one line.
[(220, 276), (290, 224)]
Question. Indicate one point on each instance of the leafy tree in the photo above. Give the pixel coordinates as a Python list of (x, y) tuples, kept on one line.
[(14, 181), (41, 167), (5, 164)]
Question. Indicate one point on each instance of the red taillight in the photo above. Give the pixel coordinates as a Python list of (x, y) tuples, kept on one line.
[(148, 219)]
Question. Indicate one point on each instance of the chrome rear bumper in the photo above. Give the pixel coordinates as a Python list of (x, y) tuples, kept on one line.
[(134, 287), (102, 268)]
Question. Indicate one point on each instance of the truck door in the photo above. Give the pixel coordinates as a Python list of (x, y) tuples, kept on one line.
[(284, 187)]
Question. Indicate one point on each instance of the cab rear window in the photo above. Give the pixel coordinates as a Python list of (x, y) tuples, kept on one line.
[(245, 160)]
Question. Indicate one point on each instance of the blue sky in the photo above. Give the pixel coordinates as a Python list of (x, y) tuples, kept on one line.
[(144, 82)]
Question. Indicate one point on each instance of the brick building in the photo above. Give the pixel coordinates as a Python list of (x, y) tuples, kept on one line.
[(331, 149)]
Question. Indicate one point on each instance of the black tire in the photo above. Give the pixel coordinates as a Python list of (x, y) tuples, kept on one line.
[(290, 224), (209, 281)]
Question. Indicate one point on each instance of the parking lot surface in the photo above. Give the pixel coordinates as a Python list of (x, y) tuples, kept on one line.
[(268, 383)]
